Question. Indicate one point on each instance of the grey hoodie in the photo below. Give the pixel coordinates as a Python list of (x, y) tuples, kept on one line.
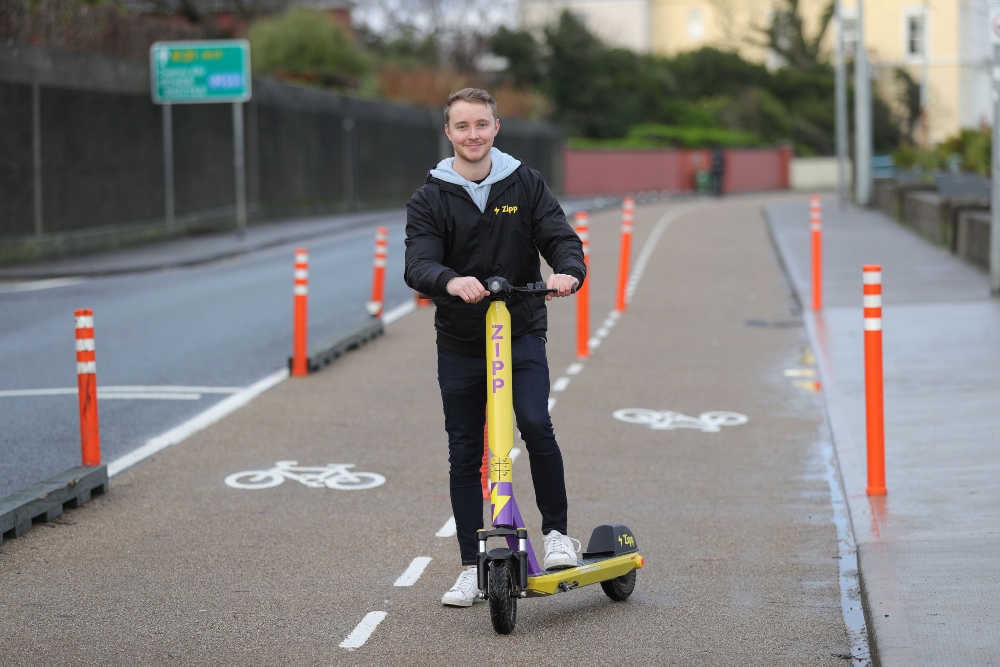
[(503, 166)]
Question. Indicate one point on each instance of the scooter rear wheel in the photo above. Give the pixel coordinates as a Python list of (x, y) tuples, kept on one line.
[(619, 588), (502, 595)]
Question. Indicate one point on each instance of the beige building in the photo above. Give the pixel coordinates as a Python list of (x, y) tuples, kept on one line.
[(942, 41)]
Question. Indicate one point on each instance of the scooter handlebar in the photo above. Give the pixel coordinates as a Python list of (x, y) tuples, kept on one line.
[(500, 287)]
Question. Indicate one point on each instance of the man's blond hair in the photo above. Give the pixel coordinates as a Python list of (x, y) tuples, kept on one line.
[(471, 95)]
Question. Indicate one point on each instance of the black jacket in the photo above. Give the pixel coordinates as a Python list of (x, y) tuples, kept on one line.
[(447, 236)]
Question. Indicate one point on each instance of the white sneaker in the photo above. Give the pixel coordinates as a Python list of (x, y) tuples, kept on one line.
[(465, 591), (559, 551)]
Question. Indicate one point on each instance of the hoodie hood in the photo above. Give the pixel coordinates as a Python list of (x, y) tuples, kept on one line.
[(503, 166)]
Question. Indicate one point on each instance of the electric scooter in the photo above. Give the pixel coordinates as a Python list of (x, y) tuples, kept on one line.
[(512, 572)]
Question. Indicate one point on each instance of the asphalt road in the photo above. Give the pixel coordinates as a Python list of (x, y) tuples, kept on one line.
[(175, 567), (212, 329)]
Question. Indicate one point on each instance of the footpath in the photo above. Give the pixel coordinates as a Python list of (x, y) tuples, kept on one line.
[(929, 551), (175, 566), (195, 249)]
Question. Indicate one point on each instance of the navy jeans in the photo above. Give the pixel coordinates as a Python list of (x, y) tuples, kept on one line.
[(463, 394)]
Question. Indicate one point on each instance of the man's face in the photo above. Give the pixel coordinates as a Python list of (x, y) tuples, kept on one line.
[(471, 128)]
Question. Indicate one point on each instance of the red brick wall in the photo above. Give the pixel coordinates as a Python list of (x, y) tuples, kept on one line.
[(592, 172)]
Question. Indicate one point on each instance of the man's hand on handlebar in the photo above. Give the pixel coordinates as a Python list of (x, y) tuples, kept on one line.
[(562, 282), (467, 288)]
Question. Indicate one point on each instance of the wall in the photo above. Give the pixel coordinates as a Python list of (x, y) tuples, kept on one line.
[(81, 154), (810, 174), (588, 172)]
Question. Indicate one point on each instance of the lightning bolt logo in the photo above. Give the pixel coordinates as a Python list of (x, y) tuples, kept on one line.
[(497, 501), (496, 210)]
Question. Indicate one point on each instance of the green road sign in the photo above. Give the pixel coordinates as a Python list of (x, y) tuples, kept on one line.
[(193, 72)]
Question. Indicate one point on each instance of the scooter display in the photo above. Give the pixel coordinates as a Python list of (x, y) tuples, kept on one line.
[(506, 574)]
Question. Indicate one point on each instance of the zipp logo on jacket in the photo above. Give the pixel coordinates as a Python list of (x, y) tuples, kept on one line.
[(504, 209)]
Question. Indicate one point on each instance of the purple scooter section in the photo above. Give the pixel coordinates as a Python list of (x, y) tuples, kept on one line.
[(510, 517)]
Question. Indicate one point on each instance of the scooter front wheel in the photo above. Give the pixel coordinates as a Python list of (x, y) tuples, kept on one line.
[(619, 588), (502, 596)]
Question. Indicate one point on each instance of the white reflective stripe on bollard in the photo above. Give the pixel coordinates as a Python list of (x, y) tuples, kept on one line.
[(872, 278)]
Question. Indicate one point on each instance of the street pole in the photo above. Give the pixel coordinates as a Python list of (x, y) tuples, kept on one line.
[(841, 107), (168, 162), (995, 198), (36, 154), (925, 121), (350, 164), (863, 117), (238, 163)]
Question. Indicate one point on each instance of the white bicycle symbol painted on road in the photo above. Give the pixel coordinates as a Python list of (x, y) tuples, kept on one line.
[(330, 476), (668, 420)]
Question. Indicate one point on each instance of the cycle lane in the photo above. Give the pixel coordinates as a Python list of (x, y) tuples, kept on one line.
[(742, 554), (287, 573)]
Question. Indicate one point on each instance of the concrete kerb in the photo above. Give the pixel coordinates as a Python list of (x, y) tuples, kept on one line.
[(884, 632)]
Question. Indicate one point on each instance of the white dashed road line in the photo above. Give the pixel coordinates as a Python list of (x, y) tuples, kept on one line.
[(560, 384), (364, 630), (574, 368), (448, 529), (413, 572)]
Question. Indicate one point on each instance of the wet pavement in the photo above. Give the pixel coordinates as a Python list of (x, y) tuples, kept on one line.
[(173, 566), (929, 551)]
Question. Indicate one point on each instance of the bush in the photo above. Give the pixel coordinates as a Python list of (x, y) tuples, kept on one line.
[(306, 46), (971, 148), (967, 151)]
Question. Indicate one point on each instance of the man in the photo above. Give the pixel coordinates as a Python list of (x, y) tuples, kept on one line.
[(718, 169), (479, 214)]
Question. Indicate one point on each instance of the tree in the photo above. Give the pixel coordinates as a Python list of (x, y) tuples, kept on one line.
[(786, 35), (306, 45)]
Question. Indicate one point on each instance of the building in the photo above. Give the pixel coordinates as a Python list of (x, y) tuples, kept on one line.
[(942, 42)]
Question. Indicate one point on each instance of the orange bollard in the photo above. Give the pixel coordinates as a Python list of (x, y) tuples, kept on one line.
[(378, 280), (422, 302), (816, 225), (86, 377), (583, 292), (300, 324), (874, 418), (628, 213), (484, 470)]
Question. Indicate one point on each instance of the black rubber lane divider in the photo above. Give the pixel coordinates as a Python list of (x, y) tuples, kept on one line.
[(327, 349), (46, 500)]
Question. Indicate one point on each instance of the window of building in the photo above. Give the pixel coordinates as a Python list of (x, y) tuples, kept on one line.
[(914, 32), (696, 25), (849, 26)]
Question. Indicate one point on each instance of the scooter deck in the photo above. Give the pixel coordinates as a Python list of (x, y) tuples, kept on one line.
[(588, 571)]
